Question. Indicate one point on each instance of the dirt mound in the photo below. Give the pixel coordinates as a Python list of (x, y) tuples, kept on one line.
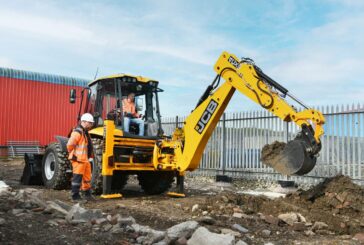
[(338, 193), (337, 201)]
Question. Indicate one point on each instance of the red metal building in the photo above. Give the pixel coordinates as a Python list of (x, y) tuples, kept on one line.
[(35, 106)]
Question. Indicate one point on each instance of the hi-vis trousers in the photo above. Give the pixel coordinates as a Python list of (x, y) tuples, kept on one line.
[(81, 178)]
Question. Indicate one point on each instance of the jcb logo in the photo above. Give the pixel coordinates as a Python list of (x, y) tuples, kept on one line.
[(206, 116), (234, 62)]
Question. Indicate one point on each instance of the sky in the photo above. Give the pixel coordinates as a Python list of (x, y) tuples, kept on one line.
[(313, 48)]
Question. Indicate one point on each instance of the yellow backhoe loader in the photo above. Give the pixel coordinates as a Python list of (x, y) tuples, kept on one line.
[(157, 159)]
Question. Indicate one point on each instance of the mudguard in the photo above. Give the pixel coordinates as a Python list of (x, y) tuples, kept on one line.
[(63, 142)]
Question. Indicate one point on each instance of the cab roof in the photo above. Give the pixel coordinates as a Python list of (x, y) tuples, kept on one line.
[(121, 75)]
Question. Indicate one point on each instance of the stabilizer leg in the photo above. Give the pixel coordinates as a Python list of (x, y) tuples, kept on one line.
[(180, 187), (106, 188)]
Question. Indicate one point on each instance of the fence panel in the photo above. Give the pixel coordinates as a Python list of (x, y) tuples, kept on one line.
[(235, 145)]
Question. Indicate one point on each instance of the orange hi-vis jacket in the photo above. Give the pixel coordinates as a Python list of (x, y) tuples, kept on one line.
[(129, 107), (77, 146)]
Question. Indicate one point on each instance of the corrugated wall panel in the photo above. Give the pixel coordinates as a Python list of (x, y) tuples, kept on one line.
[(36, 110)]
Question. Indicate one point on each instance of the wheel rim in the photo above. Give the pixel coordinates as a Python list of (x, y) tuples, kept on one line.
[(49, 166)]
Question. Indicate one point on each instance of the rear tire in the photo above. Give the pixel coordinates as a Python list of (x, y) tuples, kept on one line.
[(119, 179), (154, 183), (54, 168)]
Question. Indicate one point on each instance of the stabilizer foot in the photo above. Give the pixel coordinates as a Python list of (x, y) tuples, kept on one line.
[(175, 194), (110, 196)]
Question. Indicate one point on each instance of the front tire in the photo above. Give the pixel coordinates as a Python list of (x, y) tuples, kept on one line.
[(96, 180), (119, 178), (54, 168)]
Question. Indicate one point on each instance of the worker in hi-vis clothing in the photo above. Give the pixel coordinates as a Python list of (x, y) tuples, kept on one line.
[(80, 152)]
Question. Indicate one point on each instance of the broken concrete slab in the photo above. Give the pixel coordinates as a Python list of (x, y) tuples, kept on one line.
[(4, 188), (269, 194), (140, 228), (240, 242), (148, 234), (202, 236), (155, 236), (63, 205), (231, 232), (100, 221), (176, 231), (239, 228), (77, 214), (291, 218), (37, 201), (52, 206)]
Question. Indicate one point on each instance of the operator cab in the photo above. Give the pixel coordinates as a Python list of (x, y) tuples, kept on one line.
[(106, 98)]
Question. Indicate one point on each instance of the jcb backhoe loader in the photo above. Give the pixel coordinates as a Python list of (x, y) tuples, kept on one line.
[(156, 158)]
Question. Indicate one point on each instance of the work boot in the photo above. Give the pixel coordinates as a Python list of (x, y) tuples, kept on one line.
[(88, 196), (76, 198)]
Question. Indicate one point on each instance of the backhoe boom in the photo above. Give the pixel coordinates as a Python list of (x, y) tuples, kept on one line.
[(184, 151)]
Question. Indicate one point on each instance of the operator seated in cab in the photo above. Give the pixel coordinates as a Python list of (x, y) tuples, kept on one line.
[(131, 115)]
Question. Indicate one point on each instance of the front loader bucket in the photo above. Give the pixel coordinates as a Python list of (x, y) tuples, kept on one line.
[(292, 158), (32, 172)]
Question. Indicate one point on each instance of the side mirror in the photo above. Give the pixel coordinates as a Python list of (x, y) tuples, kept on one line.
[(72, 96), (139, 104)]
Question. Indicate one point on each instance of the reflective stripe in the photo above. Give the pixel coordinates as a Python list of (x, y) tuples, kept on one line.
[(76, 184), (81, 146), (80, 152)]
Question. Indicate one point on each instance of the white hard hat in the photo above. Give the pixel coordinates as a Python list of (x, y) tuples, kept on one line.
[(87, 117)]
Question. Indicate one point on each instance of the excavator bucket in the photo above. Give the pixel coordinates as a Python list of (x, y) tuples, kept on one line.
[(293, 158)]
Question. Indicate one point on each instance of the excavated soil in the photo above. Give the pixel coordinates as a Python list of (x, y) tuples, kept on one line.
[(271, 151), (337, 201)]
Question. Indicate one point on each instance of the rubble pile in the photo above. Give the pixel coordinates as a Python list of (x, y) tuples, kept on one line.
[(27, 204), (213, 213)]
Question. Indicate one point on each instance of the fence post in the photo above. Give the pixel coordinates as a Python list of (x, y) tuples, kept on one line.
[(223, 143), (286, 180), (223, 177), (176, 121)]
